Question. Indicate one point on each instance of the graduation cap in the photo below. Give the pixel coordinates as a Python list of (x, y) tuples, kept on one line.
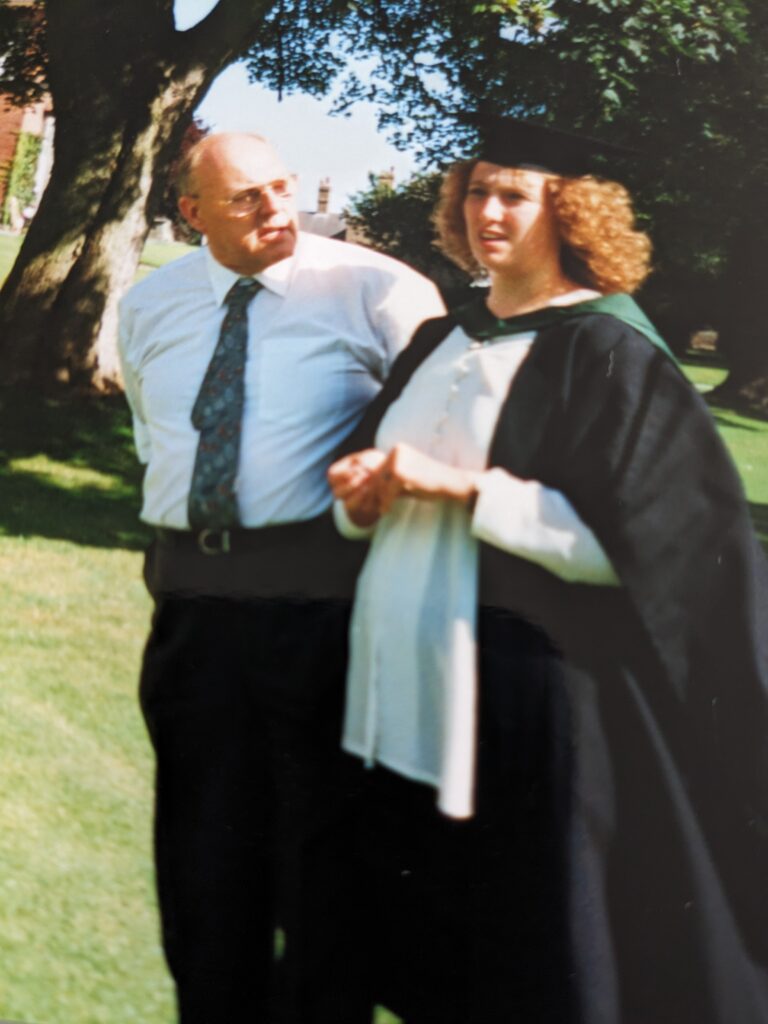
[(510, 142)]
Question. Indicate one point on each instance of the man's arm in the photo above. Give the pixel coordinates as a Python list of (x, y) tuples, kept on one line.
[(131, 382), (407, 300)]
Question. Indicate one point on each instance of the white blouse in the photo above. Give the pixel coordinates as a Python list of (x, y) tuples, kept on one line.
[(412, 679)]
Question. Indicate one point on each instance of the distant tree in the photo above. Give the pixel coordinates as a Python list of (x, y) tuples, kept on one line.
[(397, 221), (580, 63)]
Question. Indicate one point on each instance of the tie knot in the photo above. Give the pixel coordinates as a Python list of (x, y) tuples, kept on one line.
[(241, 292)]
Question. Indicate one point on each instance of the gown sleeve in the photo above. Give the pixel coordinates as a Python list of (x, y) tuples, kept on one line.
[(640, 459), (644, 466)]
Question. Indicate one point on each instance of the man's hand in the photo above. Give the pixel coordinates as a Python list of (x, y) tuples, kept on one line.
[(346, 475), (352, 480)]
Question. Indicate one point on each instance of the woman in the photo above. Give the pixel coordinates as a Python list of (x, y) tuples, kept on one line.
[(558, 628)]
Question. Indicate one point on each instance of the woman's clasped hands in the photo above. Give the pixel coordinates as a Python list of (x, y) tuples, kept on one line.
[(370, 481)]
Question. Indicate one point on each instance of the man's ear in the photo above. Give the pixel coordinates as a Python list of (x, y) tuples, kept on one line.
[(188, 208)]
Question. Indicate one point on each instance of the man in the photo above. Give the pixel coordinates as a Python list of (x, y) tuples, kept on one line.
[(246, 364)]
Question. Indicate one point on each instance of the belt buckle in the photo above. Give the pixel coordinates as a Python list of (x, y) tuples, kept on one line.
[(207, 535)]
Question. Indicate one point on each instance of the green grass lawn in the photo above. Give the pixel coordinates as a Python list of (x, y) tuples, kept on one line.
[(78, 926), (78, 929), (746, 438), (9, 247), (155, 254), (78, 935)]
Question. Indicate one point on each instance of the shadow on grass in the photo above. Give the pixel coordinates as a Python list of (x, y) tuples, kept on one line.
[(722, 419), (68, 470), (696, 357), (760, 519), (729, 404)]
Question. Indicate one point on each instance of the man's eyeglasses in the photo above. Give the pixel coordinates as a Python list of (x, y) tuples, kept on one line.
[(251, 200)]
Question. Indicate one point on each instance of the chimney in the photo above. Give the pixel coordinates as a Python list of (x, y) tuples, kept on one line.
[(323, 195), (387, 178)]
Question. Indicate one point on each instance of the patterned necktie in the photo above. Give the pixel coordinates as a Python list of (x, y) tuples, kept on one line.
[(217, 414)]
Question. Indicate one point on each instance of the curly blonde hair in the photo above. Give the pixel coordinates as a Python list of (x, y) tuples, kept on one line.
[(601, 247)]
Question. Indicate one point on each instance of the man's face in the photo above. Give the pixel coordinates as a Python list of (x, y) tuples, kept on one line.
[(243, 202)]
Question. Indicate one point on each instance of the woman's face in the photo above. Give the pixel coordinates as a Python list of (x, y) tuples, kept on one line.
[(510, 227)]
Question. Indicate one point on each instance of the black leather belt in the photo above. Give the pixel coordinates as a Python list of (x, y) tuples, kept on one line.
[(234, 541), (208, 542), (306, 560)]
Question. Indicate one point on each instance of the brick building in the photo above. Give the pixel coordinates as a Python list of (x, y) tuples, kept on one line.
[(15, 123), (26, 134)]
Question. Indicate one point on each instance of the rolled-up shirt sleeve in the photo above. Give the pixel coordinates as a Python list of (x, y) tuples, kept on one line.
[(538, 523)]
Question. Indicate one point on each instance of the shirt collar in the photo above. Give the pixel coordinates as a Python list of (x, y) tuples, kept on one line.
[(275, 278)]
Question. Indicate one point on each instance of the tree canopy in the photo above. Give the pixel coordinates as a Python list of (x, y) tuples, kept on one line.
[(582, 63), (683, 81), (396, 220)]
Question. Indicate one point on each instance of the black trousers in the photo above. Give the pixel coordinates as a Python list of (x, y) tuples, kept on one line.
[(256, 810)]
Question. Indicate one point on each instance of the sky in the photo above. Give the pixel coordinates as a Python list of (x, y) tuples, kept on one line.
[(313, 144)]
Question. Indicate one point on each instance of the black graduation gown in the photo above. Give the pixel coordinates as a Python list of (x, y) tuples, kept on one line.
[(665, 678)]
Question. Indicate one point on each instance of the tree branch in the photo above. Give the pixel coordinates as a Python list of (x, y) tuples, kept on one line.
[(89, 34), (226, 33)]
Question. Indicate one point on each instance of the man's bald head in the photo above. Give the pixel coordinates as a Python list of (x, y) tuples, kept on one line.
[(235, 189), (211, 148)]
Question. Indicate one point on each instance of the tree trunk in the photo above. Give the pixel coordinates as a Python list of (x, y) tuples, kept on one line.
[(125, 85), (58, 308)]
